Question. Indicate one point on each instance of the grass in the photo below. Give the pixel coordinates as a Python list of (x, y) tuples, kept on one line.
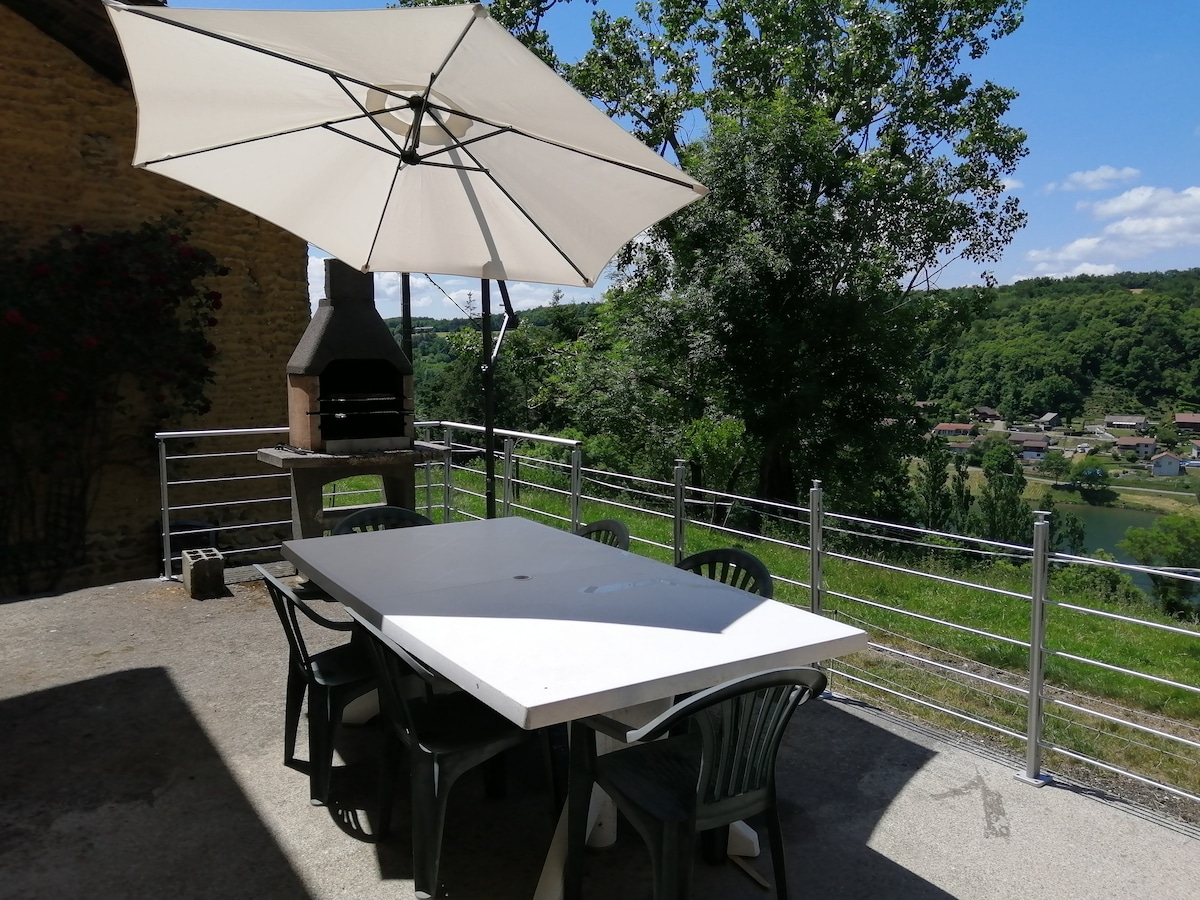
[(995, 649)]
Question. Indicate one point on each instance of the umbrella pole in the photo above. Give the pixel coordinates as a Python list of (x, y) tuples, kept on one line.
[(406, 326), (489, 401)]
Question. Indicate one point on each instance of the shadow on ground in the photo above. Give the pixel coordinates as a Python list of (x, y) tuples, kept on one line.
[(112, 789)]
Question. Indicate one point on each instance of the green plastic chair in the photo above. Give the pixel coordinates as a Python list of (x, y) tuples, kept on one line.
[(332, 679), (378, 518), (612, 532), (447, 735), (733, 566), (699, 780)]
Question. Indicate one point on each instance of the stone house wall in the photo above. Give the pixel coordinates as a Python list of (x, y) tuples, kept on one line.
[(66, 141)]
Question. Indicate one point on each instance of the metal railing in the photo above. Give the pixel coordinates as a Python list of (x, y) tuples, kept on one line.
[(1025, 667)]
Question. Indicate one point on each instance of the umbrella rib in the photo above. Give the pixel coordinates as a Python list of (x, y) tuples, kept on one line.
[(383, 212), (509, 129), (367, 113), (274, 54), (331, 126)]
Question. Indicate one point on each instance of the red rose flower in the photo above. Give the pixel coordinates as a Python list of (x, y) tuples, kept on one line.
[(212, 323), (14, 318), (89, 341), (216, 304), (59, 396), (209, 351), (186, 251), (214, 296), (223, 270), (41, 270)]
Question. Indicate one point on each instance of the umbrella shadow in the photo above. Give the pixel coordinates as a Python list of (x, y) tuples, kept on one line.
[(111, 787)]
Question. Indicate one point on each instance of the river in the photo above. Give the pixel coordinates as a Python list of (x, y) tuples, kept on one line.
[(1106, 526)]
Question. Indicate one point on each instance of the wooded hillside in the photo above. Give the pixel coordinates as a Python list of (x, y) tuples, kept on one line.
[(1082, 346)]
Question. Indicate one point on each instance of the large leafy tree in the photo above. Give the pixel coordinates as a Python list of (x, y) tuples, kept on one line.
[(850, 156)]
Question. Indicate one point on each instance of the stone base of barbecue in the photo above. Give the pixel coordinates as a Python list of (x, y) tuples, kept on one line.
[(310, 472)]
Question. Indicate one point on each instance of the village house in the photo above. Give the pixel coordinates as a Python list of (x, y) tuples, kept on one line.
[(1126, 420), (1144, 447), (1187, 422), (1165, 464), (1034, 451), (1048, 421), (954, 429), (986, 414), (1020, 438), (1194, 446)]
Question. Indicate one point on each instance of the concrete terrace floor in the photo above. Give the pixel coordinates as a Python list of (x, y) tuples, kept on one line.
[(141, 748)]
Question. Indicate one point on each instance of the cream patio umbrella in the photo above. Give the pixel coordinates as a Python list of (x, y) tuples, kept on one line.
[(398, 140), (401, 140)]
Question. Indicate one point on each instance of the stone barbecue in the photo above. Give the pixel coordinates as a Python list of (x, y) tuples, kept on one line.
[(349, 383)]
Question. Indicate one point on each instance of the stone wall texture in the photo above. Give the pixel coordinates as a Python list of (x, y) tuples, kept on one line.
[(66, 141)]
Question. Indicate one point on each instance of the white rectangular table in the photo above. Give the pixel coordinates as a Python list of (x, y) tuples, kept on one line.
[(546, 627)]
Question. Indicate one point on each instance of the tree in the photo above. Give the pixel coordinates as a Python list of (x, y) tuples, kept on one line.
[(849, 157), (1055, 465), (1174, 541), (1067, 531), (1002, 513), (1088, 475), (935, 503), (962, 499)]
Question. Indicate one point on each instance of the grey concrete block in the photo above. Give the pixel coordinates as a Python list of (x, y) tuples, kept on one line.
[(203, 573)]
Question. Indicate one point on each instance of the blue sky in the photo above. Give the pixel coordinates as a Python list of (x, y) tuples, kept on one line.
[(1110, 98)]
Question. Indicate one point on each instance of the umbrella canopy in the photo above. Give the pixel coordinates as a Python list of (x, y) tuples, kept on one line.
[(405, 140)]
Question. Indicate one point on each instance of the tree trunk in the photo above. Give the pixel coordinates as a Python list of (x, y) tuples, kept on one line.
[(776, 475)]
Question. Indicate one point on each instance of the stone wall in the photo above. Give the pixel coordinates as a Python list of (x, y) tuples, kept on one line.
[(66, 139)]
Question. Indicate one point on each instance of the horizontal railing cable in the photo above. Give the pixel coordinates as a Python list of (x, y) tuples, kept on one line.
[(1131, 620), (1166, 682), (1081, 757), (932, 619), (944, 579), (841, 672), (1117, 720), (966, 673)]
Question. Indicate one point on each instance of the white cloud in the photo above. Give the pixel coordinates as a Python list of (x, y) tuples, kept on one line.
[(1011, 184), (1047, 270), (1144, 221), (1098, 179)]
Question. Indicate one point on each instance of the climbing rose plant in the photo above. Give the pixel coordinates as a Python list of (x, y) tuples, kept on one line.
[(93, 327)]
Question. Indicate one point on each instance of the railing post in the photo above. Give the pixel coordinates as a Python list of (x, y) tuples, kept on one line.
[(166, 508), (816, 559), (428, 487), (507, 482), (576, 484), (1037, 653), (447, 473), (680, 518)]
